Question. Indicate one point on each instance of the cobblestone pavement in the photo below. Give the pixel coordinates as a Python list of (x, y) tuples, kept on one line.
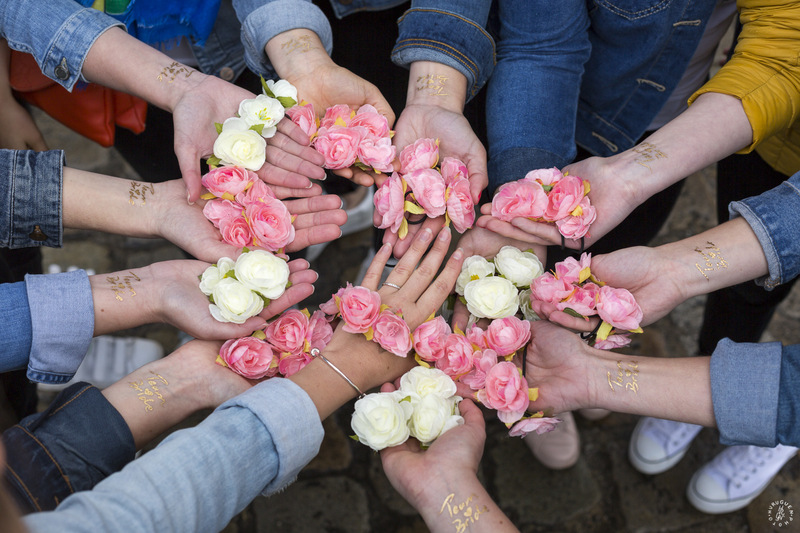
[(344, 488)]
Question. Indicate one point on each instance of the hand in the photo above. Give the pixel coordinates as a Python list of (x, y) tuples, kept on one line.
[(17, 129)]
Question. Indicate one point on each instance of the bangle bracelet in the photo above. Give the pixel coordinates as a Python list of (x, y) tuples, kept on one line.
[(316, 353)]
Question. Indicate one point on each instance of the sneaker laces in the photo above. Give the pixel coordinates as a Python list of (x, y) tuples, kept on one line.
[(665, 432), (736, 464)]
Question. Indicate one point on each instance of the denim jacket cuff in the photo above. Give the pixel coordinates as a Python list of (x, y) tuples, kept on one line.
[(262, 24), (60, 340), (735, 376), (455, 41)]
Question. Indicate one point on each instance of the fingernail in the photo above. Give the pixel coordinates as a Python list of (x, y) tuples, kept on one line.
[(386, 248), (309, 185), (342, 203), (444, 234), (341, 232), (313, 288), (315, 279), (189, 195), (458, 254), (426, 235)]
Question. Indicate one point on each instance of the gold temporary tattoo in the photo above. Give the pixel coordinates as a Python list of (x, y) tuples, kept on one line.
[(174, 69), (710, 254), (464, 513), (433, 83), (118, 286), (649, 152), (139, 192), (302, 44), (632, 372), (144, 392)]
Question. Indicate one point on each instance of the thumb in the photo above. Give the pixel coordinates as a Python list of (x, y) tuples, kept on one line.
[(376, 100), (189, 163), (471, 413)]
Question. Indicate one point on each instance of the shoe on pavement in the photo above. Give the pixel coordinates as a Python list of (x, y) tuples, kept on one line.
[(560, 448), (594, 414), (358, 218), (657, 445), (735, 477)]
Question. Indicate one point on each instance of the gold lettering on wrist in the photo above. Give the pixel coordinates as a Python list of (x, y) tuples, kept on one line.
[(174, 69), (648, 152), (302, 44), (630, 373), (148, 392), (710, 254), (126, 283), (433, 83), (139, 192), (464, 513)]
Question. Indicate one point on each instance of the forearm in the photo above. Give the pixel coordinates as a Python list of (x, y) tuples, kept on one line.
[(123, 300), (436, 84)]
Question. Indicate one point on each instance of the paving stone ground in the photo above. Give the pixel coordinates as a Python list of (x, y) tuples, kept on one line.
[(344, 488)]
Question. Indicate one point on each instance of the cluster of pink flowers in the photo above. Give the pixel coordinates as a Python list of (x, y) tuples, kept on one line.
[(434, 191), (547, 195), (246, 210), (573, 288), (282, 348)]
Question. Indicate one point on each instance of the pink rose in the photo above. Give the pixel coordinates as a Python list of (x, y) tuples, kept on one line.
[(293, 363), (476, 336), (506, 391), (529, 425), (544, 176), (484, 361), (390, 203), (457, 358), (570, 268), (288, 332), (377, 154), (422, 154), (429, 339), (453, 169), (618, 307), (564, 198), (392, 333), (303, 116), (319, 331), (360, 308), (332, 114), (507, 335), (235, 231), (582, 301), (377, 125), (613, 341), (577, 226), (460, 208), (428, 187), (231, 180), (249, 357), (519, 199), (218, 210), (548, 288), (339, 146), (271, 224), (259, 192), (330, 307)]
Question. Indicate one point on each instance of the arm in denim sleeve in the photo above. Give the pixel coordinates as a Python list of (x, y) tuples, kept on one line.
[(450, 32), (264, 19), (788, 430), (58, 33), (15, 317), (199, 478), (770, 216)]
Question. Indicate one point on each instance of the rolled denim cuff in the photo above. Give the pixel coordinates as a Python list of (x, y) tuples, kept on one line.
[(15, 315), (745, 383), (262, 24), (429, 34), (788, 431), (30, 198), (60, 339), (512, 164), (295, 428)]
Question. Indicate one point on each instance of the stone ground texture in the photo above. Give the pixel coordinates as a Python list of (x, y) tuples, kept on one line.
[(344, 488)]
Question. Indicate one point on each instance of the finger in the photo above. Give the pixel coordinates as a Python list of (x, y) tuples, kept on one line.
[(297, 265), (293, 295), (273, 172), (362, 177), (548, 311), (464, 390), (486, 209), (37, 143), (293, 131), (472, 414), (293, 163), (233, 331), (424, 273), (507, 230), (335, 217), (375, 270), (285, 192), (376, 100), (314, 235), (303, 276), (301, 150), (344, 172), (460, 316), (433, 224), (189, 163), (325, 202), (389, 237), (405, 267), (388, 387), (440, 289), (478, 175), (545, 232)]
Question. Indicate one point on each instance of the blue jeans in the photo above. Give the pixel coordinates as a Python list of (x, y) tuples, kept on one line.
[(74, 444)]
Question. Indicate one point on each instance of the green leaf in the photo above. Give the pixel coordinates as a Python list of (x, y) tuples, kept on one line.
[(574, 313), (213, 161), (200, 277), (355, 438), (462, 300), (219, 127), (230, 274), (287, 101), (266, 88), (266, 300), (245, 250), (258, 128), (211, 299), (288, 284), (363, 167), (547, 188), (407, 399), (451, 301)]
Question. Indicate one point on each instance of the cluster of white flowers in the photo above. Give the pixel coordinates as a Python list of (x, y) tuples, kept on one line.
[(424, 407), (240, 289)]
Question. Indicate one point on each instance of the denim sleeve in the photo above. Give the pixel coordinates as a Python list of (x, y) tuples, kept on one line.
[(788, 431), (199, 478), (60, 339), (450, 32), (264, 19), (745, 382), (771, 216), (58, 33), (30, 198), (15, 317)]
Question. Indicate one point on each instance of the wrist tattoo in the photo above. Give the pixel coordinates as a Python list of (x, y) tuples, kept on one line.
[(147, 390), (119, 286), (464, 513), (623, 375), (302, 44), (648, 152), (435, 84), (139, 191), (174, 69), (710, 254)]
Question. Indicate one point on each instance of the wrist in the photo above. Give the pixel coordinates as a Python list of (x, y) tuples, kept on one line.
[(296, 53), (435, 84)]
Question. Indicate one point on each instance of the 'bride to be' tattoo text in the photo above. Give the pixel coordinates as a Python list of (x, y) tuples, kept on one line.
[(433, 83), (119, 286), (710, 253), (139, 191), (301, 44), (148, 392), (625, 377), (174, 69), (648, 153), (464, 513)]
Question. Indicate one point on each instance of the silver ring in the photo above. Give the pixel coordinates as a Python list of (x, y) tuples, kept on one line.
[(391, 285)]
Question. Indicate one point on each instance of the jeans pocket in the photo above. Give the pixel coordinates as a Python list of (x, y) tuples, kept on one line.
[(634, 9)]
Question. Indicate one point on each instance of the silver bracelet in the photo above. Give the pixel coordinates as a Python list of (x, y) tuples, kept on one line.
[(316, 353)]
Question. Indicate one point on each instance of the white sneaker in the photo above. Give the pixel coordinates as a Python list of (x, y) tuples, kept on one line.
[(657, 445), (735, 477), (358, 218)]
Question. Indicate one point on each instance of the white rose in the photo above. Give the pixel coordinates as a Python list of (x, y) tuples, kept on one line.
[(262, 110), (380, 420), (214, 275), (433, 416), (525, 305), (263, 273), (421, 382), (239, 145), (283, 88), (475, 267), (492, 297), (233, 302), (520, 268)]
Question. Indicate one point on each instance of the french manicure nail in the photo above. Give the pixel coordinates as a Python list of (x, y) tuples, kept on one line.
[(189, 195), (426, 235), (458, 254), (386, 248), (444, 234)]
